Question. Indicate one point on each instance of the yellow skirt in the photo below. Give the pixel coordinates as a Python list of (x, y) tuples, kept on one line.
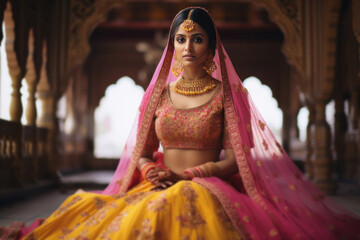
[(184, 211)]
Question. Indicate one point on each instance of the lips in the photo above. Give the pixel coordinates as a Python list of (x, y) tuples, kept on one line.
[(188, 56)]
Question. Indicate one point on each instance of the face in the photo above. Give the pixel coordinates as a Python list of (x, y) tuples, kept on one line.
[(191, 48)]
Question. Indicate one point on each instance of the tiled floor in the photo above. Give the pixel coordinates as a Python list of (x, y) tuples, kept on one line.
[(44, 204)]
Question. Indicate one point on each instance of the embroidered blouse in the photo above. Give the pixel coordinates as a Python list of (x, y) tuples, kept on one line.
[(201, 127)]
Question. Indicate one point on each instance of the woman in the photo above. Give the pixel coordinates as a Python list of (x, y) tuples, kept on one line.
[(193, 191)]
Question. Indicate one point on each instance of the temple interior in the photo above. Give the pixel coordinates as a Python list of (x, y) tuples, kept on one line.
[(61, 59)]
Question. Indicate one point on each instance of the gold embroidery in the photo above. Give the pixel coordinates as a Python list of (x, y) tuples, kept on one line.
[(292, 187), (146, 232), (185, 128), (159, 204), (248, 127), (114, 226), (237, 205), (262, 125), (246, 219), (64, 208), (244, 90), (276, 199), (266, 146), (99, 215), (279, 147), (273, 233), (236, 88), (99, 203), (246, 148), (191, 217), (259, 163), (136, 197)]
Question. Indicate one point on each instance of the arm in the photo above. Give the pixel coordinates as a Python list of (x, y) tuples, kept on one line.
[(228, 166)]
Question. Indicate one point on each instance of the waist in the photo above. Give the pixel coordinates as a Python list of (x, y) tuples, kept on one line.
[(180, 159)]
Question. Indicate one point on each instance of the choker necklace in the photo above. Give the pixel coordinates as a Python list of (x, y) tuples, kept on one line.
[(194, 87)]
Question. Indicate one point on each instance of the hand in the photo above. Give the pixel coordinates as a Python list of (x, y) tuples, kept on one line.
[(163, 179)]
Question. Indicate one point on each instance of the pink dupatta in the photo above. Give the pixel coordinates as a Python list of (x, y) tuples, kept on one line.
[(270, 198)]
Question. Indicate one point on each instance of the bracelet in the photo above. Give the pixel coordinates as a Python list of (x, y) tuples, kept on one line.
[(205, 170), (146, 168)]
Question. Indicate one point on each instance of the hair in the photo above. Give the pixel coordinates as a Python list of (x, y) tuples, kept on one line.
[(199, 16)]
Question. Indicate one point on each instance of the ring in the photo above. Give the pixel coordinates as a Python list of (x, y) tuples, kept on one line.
[(160, 174)]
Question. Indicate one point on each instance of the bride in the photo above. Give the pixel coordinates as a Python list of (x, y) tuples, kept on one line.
[(222, 174)]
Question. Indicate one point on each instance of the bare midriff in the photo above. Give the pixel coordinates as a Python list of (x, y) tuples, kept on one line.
[(180, 159)]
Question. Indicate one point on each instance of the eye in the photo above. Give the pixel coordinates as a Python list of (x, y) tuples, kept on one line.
[(180, 39), (198, 40)]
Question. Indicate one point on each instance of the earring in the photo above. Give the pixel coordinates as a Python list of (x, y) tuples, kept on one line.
[(177, 67), (210, 65)]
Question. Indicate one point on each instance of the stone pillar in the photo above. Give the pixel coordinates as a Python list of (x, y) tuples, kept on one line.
[(14, 69), (309, 171), (321, 157), (30, 78)]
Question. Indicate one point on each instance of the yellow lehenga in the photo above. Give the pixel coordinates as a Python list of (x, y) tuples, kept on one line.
[(184, 211)]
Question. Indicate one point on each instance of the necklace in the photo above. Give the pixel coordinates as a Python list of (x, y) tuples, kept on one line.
[(194, 87)]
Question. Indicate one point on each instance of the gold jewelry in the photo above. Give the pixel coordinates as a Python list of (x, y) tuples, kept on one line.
[(177, 66), (209, 65), (194, 87), (188, 24)]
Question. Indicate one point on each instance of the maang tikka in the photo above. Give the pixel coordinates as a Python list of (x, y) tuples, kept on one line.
[(188, 24), (177, 66), (209, 65)]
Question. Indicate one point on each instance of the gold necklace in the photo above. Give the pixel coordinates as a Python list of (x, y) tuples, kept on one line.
[(194, 87)]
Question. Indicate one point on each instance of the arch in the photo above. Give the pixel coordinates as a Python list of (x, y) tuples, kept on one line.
[(265, 102), (112, 126)]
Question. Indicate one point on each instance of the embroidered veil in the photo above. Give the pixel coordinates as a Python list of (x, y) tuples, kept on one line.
[(269, 198)]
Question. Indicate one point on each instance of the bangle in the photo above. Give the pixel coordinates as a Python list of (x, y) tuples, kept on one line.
[(146, 168), (205, 170)]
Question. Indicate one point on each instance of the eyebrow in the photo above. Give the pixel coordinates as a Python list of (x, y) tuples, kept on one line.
[(196, 34)]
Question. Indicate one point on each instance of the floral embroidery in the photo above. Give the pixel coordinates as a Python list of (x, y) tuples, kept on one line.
[(248, 127), (191, 217), (223, 215), (159, 204), (99, 215), (99, 203), (292, 187), (146, 232), (31, 236), (266, 146), (84, 214), (262, 125), (114, 226), (136, 197), (67, 231), (187, 125), (237, 205), (63, 209), (244, 89), (246, 148), (236, 88), (273, 233), (259, 163), (246, 219), (276, 199), (279, 147)]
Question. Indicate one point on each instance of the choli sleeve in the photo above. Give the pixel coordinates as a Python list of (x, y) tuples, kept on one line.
[(226, 142), (152, 142)]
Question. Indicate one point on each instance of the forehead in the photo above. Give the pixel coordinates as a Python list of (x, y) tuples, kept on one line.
[(196, 30)]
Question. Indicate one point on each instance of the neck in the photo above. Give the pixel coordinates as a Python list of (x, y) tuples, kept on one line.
[(194, 74)]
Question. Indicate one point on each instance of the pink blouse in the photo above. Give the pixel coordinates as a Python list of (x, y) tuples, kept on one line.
[(199, 127)]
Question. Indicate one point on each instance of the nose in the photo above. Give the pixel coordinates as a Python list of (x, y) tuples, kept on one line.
[(188, 46)]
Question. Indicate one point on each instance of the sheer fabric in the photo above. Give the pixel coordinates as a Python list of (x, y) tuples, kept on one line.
[(287, 205), (269, 198)]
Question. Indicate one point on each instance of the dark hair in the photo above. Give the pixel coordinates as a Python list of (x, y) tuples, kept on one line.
[(200, 17)]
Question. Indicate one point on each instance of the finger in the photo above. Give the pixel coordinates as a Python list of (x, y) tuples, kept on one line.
[(169, 183)]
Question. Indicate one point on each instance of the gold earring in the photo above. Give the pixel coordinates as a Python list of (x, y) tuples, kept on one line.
[(177, 67), (210, 65)]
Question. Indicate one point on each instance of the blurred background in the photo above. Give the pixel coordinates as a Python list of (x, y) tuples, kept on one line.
[(73, 72)]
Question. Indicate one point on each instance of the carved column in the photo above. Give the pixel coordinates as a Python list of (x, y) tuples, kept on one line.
[(321, 157), (14, 69), (46, 119), (340, 130), (30, 78), (309, 171)]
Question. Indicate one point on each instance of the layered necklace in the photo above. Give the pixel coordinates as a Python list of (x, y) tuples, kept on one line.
[(194, 87)]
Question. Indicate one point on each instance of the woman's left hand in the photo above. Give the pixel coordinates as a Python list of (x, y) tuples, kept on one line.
[(167, 177)]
